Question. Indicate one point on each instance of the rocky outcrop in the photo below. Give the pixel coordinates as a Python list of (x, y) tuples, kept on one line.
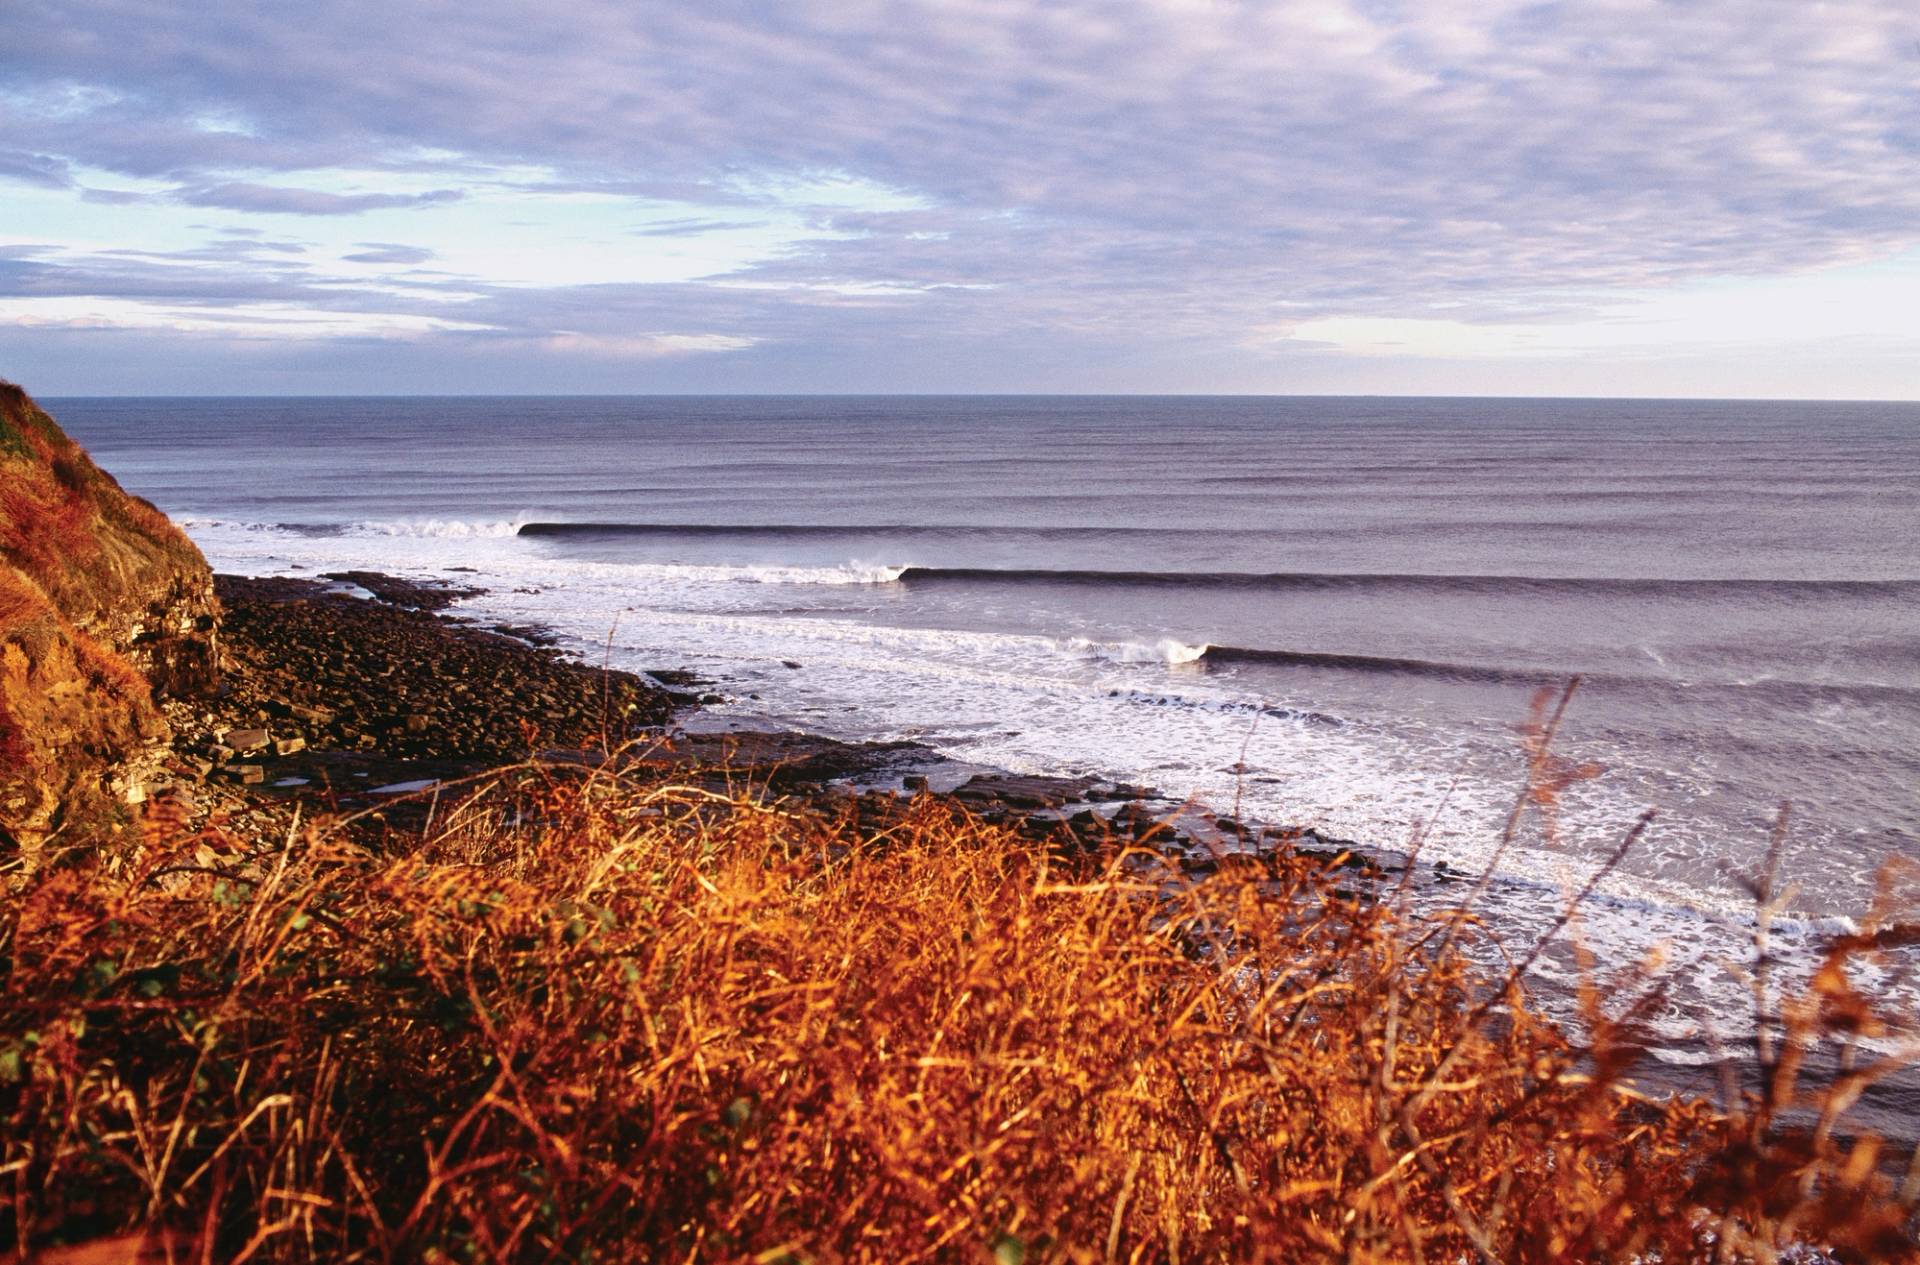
[(105, 608)]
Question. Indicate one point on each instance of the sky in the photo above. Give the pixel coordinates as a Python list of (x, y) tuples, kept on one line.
[(1609, 197)]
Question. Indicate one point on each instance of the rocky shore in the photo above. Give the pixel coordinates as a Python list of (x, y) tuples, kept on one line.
[(362, 691)]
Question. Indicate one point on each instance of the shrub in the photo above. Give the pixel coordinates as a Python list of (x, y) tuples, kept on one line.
[(601, 1019)]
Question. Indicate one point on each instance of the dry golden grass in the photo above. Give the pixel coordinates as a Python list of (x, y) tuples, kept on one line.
[(57, 507), (588, 1019), (45, 527)]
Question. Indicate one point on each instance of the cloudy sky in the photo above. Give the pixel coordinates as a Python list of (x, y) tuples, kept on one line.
[(1607, 197)]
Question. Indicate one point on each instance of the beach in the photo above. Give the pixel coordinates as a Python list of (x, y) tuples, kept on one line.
[(359, 695)]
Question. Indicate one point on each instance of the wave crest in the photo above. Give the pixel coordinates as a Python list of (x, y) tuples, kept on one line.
[(1166, 650), (846, 573), (447, 528)]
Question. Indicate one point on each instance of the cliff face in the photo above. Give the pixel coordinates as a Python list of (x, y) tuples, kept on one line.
[(105, 608)]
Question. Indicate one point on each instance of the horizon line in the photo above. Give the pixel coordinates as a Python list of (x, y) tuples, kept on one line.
[(961, 395)]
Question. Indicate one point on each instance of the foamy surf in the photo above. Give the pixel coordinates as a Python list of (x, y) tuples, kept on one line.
[(847, 573), (1165, 650), (438, 528)]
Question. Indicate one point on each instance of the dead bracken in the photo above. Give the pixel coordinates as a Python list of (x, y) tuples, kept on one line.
[(585, 1015)]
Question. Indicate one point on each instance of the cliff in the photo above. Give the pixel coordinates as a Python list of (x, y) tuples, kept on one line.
[(105, 609)]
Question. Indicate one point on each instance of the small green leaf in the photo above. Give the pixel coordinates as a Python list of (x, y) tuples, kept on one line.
[(1007, 1250)]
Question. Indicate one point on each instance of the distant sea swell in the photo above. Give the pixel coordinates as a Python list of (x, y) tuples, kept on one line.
[(1204, 579), (1168, 650)]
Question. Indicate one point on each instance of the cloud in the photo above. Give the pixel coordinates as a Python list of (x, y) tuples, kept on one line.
[(113, 197), (644, 346), (221, 250), (1013, 183), (281, 200), (389, 253), (36, 169), (691, 227)]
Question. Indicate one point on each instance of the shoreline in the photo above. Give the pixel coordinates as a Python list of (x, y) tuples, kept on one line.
[(330, 691)]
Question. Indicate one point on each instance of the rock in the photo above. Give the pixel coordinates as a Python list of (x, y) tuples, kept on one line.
[(1021, 792), (289, 746), (1139, 821), (244, 740), (915, 782), (244, 774), (531, 634), (421, 595), (352, 673)]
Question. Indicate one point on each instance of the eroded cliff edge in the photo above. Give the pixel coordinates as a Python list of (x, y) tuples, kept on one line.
[(105, 609)]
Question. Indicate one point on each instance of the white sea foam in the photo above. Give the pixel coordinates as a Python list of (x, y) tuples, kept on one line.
[(1164, 650), (849, 573), (440, 528)]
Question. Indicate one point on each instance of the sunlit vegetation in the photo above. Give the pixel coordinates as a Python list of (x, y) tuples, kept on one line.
[(586, 1018)]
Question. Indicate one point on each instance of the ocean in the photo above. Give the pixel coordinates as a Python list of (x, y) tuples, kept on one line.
[(1327, 612)]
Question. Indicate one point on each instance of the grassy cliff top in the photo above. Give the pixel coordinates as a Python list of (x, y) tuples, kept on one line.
[(68, 528), (102, 599)]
